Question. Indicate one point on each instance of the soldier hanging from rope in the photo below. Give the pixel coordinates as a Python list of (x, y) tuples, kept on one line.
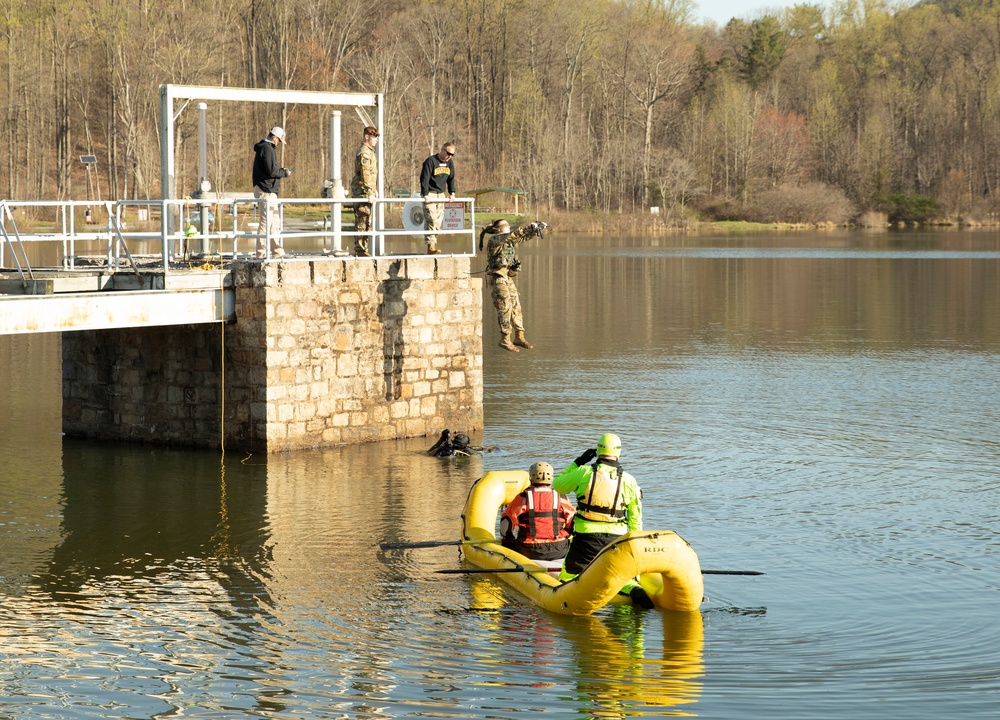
[(502, 267)]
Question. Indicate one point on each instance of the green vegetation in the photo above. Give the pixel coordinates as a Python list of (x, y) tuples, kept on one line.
[(911, 209), (814, 114)]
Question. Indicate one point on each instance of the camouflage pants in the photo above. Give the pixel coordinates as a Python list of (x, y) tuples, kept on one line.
[(362, 223), (434, 215), (508, 304)]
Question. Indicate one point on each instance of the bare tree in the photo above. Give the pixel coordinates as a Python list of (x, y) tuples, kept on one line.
[(653, 60)]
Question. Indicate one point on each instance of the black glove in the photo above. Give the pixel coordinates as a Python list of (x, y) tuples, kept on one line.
[(441, 442), (588, 455)]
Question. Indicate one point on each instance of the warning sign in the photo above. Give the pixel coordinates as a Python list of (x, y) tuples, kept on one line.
[(454, 216)]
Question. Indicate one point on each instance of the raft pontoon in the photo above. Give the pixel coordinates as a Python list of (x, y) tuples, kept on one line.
[(667, 567)]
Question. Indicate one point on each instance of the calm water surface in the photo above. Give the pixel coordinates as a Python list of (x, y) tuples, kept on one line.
[(822, 408)]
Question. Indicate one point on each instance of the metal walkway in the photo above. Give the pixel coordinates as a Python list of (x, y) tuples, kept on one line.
[(167, 262)]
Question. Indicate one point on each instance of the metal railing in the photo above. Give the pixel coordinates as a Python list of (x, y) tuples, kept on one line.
[(168, 234), (12, 242)]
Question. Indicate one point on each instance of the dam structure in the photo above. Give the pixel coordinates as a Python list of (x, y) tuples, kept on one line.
[(174, 332)]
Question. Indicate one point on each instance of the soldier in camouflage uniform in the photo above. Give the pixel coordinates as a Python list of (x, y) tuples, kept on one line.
[(502, 267), (365, 185)]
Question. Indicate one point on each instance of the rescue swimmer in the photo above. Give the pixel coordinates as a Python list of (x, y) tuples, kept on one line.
[(457, 445)]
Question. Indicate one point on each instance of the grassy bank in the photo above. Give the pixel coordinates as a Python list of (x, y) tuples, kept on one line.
[(653, 225)]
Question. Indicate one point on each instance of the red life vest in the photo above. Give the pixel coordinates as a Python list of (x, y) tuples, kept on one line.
[(541, 515)]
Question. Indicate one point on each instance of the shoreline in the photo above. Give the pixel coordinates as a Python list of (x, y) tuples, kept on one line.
[(632, 224)]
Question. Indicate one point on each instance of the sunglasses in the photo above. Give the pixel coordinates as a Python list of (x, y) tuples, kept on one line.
[(449, 154)]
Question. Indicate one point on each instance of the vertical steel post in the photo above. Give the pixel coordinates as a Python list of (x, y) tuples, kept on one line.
[(379, 215), (337, 189), (167, 189), (204, 185)]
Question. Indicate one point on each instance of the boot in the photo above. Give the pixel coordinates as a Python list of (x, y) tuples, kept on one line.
[(519, 340), (641, 598), (432, 248), (506, 344)]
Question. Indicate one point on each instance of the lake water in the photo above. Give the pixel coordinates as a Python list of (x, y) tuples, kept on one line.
[(824, 408)]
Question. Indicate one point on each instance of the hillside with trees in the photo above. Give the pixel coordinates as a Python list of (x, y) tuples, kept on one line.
[(818, 113)]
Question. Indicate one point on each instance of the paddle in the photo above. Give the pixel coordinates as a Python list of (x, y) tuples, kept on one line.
[(463, 571), (472, 571), (431, 544)]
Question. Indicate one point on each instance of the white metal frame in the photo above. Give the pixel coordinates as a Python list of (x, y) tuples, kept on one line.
[(171, 93)]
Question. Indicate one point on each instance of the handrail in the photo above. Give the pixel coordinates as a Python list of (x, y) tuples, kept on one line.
[(5, 215), (232, 232), (114, 223)]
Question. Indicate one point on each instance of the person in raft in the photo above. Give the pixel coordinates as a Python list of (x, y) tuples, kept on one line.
[(537, 523), (608, 505)]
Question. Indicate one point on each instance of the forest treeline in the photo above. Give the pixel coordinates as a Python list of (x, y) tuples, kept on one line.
[(815, 113)]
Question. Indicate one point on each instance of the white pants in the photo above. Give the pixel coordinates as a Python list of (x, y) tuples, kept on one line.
[(269, 214)]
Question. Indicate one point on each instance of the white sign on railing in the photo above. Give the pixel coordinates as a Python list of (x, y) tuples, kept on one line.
[(454, 216)]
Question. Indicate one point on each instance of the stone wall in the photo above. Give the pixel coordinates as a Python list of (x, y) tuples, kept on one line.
[(158, 384), (323, 352)]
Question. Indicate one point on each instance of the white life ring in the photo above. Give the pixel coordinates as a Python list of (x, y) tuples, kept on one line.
[(415, 214)]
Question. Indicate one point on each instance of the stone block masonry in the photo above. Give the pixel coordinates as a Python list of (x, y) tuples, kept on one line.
[(323, 352)]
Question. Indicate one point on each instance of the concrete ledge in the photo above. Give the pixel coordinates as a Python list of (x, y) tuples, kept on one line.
[(109, 310)]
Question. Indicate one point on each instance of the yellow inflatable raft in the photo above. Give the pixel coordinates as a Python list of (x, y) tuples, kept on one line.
[(666, 565)]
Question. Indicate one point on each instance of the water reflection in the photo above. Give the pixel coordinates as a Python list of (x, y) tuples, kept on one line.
[(30, 456), (635, 299), (622, 671), (623, 662), (144, 512)]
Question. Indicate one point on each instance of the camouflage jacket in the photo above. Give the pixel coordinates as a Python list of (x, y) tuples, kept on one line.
[(501, 255), (365, 182)]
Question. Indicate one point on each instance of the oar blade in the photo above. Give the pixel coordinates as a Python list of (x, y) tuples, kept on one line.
[(418, 545), (731, 572), (476, 571)]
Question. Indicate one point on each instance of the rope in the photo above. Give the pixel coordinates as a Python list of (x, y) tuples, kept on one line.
[(222, 383)]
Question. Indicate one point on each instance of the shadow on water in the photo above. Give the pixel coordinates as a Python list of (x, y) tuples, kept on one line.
[(141, 512)]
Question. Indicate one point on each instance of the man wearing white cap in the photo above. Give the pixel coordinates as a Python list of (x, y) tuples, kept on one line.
[(267, 174)]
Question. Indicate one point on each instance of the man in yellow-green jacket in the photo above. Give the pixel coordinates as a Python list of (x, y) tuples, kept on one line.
[(608, 505)]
